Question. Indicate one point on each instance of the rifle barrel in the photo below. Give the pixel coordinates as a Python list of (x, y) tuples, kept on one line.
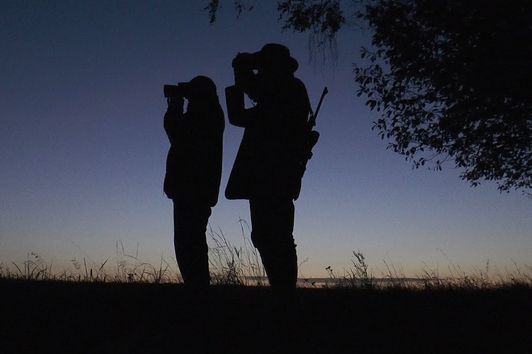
[(315, 114)]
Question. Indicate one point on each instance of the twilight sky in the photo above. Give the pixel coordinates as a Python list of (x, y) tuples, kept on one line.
[(82, 147)]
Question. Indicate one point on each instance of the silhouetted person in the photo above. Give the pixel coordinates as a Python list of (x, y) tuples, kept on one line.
[(269, 163), (193, 171)]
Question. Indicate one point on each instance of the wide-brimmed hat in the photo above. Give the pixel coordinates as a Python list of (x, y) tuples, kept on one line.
[(274, 53)]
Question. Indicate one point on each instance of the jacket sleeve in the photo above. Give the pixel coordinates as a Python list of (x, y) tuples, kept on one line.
[(173, 121), (237, 114), (206, 131)]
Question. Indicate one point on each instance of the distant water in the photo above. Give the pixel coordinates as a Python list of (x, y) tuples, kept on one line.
[(382, 282), (332, 282)]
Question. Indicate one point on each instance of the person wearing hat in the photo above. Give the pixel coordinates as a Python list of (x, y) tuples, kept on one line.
[(267, 169), (193, 172)]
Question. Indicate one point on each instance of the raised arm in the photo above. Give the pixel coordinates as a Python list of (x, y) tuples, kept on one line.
[(237, 113), (173, 118)]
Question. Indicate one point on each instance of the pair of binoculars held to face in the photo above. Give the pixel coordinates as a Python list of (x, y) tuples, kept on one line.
[(181, 90)]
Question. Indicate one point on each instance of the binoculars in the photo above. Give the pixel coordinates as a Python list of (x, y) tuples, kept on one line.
[(176, 91)]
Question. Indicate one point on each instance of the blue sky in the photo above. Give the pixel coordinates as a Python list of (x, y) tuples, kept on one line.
[(82, 147)]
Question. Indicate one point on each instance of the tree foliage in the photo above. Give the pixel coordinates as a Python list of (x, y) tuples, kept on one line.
[(324, 16), (450, 80)]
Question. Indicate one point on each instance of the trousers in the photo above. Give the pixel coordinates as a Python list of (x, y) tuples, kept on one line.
[(272, 222), (190, 242)]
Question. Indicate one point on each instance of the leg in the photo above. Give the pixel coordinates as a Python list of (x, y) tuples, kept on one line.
[(272, 228), (190, 225)]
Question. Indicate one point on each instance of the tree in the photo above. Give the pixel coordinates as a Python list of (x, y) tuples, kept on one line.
[(450, 80)]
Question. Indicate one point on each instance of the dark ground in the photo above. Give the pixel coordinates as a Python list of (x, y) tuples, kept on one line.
[(43, 317)]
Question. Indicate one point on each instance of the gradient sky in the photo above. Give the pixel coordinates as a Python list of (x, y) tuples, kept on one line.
[(82, 147)]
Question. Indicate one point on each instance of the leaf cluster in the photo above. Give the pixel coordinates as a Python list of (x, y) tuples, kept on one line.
[(452, 80), (318, 16), (213, 6), (324, 16)]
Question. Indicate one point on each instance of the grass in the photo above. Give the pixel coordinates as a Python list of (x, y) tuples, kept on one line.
[(241, 265), (359, 276), (235, 265), (119, 317), (230, 265), (126, 305)]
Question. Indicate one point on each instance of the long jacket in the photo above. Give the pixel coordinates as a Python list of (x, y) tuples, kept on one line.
[(194, 162), (269, 162)]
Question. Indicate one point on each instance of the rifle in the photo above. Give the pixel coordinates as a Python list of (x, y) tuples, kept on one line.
[(313, 116), (313, 135)]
